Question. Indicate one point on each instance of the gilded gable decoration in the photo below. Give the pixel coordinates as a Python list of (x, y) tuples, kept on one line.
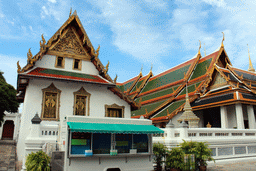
[(69, 43), (81, 102), (51, 103)]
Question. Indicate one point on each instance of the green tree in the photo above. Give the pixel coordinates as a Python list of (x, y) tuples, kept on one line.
[(8, 101), (38, 161)]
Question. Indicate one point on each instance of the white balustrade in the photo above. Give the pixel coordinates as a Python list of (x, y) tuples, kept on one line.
[(225, 143)]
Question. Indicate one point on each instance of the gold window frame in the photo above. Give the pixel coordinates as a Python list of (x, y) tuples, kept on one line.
[(63, 62), (51, 89), (82, 92), (114, 106), (79, 64)]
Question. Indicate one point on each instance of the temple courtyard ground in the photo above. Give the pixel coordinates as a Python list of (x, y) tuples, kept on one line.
[(8, 160)]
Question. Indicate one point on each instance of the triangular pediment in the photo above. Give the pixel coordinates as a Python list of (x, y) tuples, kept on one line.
[(217, 81), (69, 45)]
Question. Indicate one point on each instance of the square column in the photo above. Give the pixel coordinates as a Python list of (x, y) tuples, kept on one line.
[(239, 116), (223, 117), (251, 117)]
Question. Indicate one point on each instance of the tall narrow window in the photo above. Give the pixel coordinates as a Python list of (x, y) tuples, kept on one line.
[(59, 62), (114, 111), (77, 64), (50, 108), (81, 102)]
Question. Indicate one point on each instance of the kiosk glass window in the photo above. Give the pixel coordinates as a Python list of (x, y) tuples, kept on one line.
[(80, 141), (123, 143), (101, 143), (140, 142)]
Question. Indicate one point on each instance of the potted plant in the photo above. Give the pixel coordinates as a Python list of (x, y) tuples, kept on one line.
[(175, 159), (159, 151), (203, 154), (39, 161)]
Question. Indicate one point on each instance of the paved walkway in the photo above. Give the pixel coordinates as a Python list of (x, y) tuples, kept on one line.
[(246, 164), (7, 155)]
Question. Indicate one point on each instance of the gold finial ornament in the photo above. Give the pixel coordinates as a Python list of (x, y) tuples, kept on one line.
[(18, 66), (141, 69), (97, 51), (70, 12), (115, 79), (250, 62), (222, 45), (42, 42), (29, 55), (107, 66), (199, 53), (208, 125)]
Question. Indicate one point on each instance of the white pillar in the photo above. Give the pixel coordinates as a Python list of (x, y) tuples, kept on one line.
[(239, 116), (224, 117), (251, 117)]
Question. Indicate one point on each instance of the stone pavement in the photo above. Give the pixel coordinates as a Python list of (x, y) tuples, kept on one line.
[(7, 155), (246, 164)]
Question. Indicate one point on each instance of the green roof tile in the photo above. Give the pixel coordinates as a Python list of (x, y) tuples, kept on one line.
[(138, 84), (171, 108), (191, 88), (65, 73), (201, 68), (158, 94), (170, 77), (149, 107)]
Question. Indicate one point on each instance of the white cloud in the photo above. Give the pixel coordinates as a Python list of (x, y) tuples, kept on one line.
[(57, 10), (52, 1), (132, 30)]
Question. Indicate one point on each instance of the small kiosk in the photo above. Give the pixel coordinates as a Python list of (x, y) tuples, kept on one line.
[(105, 143)]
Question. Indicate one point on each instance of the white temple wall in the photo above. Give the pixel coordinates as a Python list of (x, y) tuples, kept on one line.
[(100, 96), (48, 61), (175, 118), (231, 112)]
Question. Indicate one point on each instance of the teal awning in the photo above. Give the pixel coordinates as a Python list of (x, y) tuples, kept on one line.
[(113, 128)]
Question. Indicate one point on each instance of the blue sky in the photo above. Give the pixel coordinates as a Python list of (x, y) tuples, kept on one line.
[(132, 33)]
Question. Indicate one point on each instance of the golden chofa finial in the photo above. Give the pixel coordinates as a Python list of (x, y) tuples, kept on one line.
[(250, 62), (70, 12), (199, 53), (107, 66), (151, 67), (141, 69), (222, 45), (18, 66)]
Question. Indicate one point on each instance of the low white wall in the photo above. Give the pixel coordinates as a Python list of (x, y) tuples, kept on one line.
[(132, 163)]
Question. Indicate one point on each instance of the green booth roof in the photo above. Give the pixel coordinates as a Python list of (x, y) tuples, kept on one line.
[(113, 128)]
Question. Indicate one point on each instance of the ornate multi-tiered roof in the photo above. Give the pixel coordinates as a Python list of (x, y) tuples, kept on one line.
[(211, 81)]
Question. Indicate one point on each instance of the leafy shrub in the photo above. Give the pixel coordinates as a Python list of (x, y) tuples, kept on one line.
[(159, 151), (38, 161), (175, 158)]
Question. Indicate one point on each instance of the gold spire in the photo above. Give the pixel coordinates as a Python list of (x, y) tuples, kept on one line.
[(204, 50), (250, 62), (115, 79), (199, 53), (151, 67), (222, 45), (141, 69)]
